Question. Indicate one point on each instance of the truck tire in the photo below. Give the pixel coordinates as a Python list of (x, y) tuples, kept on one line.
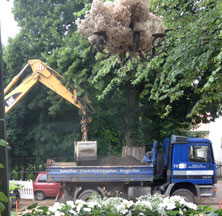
[(87, 194), (39, 195), (186, 194)]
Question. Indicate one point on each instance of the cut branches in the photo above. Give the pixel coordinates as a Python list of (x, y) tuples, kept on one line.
[(121, 28)]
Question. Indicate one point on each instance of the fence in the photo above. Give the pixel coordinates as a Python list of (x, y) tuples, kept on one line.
[(219, 170), (26, 192)]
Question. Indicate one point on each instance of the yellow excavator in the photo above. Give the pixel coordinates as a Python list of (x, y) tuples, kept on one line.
[(44, 74)]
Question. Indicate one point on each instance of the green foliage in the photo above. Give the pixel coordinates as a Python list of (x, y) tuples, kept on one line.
[(34, 210), (3, 142), (218, 212), (3, 199), (191, 63), (13, 186)]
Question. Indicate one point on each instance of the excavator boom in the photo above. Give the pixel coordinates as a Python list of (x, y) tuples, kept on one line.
[(41, 72)]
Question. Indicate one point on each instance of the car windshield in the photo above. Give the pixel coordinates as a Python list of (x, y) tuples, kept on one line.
[(42, 178)]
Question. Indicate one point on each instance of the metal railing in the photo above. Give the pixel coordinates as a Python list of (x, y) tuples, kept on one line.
[(219, 170)]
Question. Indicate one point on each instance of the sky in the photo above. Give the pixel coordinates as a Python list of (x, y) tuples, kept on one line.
[(9, 26)]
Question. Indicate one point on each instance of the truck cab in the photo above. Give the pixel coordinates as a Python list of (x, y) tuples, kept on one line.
[(189, 167)]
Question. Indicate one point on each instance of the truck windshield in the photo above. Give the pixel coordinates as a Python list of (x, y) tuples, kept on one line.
[(199, 154)]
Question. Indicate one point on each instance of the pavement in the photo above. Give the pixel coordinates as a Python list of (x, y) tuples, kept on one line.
[(214, 201), (24, 203)]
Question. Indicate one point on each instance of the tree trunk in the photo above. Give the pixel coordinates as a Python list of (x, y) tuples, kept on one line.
[(132, 115)]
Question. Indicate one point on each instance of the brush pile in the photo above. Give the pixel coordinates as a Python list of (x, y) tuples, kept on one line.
[(116, 26)]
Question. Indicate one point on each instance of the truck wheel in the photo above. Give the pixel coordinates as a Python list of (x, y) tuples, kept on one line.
[(39, 195), (87, 194), (186, 194)]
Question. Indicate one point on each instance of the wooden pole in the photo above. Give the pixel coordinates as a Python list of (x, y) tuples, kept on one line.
[(4, 183), (16, 207)]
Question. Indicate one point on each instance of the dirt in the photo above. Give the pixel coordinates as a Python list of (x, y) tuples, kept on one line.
[(112, 160)]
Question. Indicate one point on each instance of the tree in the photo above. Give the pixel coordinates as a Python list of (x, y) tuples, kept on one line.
[(43, 125), (32, 133), (192, 64), (184, 80), (135, 103)]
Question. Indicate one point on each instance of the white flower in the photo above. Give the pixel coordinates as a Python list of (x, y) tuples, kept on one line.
[(180, 212), (161, 211), (127, 203), (80, 202), (78, 208), (191, 205), (70, 203), (56, 207), (168, 204), (144, 204), (73, 212), (181, 201), (57, 213), (92, 204), (121, 209), (86, 209), (178, 199)]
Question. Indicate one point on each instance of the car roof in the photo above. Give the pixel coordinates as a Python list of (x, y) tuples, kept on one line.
[(43, 172)]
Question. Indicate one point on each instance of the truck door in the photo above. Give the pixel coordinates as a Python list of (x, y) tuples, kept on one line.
[(200, 164)]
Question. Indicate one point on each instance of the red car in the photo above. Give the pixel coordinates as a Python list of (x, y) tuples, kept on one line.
[(43, 189)]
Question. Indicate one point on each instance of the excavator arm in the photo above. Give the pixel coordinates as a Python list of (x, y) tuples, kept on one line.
[(44, 74)]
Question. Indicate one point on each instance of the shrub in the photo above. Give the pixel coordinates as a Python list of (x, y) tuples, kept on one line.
[(116, 206)]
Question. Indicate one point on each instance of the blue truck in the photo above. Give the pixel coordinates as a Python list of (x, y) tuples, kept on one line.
[(183, 166)]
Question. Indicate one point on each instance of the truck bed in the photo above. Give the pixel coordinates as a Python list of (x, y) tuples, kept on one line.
[(70, 172)]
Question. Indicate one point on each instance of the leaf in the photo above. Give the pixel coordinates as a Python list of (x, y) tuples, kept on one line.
[(3, 142), (44, 208), (2, 207), (175, 212), (32, 206), (3, 197)]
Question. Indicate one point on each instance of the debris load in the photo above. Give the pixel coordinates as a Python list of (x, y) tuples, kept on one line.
[(120, 27), (112, 160)]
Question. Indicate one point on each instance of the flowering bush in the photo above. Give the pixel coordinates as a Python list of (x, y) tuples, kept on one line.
[(116, 206)]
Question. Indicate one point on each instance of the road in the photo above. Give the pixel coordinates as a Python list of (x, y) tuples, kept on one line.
[(213, 202)]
